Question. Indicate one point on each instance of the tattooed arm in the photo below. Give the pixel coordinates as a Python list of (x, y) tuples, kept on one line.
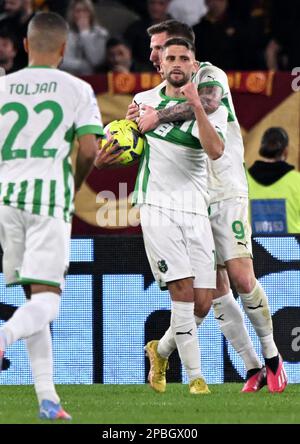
[(208, 136), (181, 111), (210, 97)]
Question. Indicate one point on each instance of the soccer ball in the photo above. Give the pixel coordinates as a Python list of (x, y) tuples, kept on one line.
[(127, 135)]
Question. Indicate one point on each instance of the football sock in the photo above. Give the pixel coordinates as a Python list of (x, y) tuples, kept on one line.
[(39, 347), (257, 309), (252, 372), (231, 322), (31, 317), (167, 343), (185, 332), (273, 363)]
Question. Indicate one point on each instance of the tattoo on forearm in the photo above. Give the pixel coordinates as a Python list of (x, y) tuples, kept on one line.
[(210, 97), (176, 113)]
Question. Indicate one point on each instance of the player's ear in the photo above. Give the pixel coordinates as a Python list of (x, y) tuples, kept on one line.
[(162, 73), (25, 44), (63, 49), (195, 67)]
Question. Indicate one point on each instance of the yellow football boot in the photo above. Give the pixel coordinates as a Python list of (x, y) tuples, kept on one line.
[(158, 367), (199, 387)]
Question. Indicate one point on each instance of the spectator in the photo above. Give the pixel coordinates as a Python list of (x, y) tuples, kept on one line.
[(187, 11), (254, 17), (119, 57), (274, 187), (219, 37), (243, 10), (136, 34), (138, 6), (85, 49), (59, 6), (16, 16), (283, 50), (8, 51)]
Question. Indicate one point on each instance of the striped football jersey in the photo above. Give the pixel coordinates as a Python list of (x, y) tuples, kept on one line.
[(41, 111)]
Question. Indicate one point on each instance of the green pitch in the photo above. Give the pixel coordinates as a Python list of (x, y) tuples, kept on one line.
[(138, 404)]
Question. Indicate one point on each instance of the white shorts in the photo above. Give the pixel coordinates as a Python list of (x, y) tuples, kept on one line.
[(231, 229), (35, 248), (178, 245)]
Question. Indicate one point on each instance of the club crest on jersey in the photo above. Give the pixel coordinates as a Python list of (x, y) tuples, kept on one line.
[(162, 265)]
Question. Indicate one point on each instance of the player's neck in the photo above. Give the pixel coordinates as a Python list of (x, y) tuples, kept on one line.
[(50, 60), (172, 91)]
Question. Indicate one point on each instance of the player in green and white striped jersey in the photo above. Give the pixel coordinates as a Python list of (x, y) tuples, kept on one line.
[(41, 111), (229, 220), (171, 189), (173, 171)]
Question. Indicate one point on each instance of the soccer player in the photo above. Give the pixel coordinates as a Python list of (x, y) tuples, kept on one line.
[(42, 110), (232, 235), (171, 190)]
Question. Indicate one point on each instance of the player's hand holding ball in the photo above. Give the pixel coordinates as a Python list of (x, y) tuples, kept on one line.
[(109, 153), (124, 145)]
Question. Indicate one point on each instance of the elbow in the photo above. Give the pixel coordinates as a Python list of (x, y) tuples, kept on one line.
[(217, 151), (91, 153)]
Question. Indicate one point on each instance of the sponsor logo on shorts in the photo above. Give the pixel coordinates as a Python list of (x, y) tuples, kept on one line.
[(162, 265), (243, 243)]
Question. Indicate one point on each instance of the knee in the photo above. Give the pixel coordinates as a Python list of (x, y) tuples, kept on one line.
[(202, 307), (243, 283), (202, 311), (181, 291)]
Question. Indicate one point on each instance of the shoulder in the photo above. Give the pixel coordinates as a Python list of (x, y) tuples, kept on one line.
[(207, 69), (75, 88), (210, 75), (149, 94), (100, 30), (74, 81), (20, 74), (294, 175)]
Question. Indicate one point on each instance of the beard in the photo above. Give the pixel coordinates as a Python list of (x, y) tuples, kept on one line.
[(179, 82)]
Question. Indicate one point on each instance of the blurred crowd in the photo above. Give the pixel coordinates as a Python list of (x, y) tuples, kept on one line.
[(110, 35)]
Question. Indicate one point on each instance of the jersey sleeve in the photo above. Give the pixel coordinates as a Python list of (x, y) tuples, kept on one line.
[(218, 119), (211, 76), (88, 118)]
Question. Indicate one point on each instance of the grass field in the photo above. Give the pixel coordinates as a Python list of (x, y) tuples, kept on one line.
[(138, 404)]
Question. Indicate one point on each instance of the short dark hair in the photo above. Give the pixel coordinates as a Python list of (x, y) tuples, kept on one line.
[(273, 142), (88, 5), (8, 35), (46, 31), (178, 41), (114, 41), (173, 28)]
